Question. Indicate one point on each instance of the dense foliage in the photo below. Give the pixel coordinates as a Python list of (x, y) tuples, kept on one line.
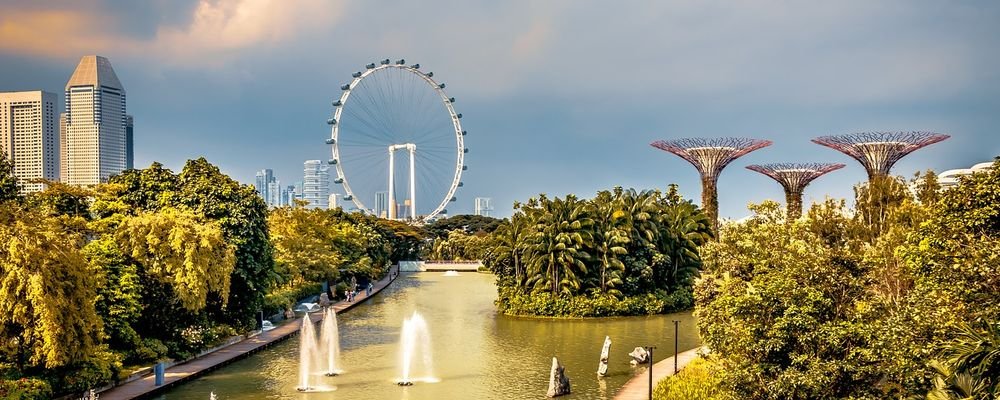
[(156, 265), (698, 380), (621, 253), (893, 299)]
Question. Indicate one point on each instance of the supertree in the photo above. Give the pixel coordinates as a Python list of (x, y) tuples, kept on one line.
[(710, 156), (878, 151), (794, 177)]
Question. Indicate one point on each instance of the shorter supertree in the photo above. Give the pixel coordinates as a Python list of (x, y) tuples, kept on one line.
[(710, 156), (878, 151), (794, 177)]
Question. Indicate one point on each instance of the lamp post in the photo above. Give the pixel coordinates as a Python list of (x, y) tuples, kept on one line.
[(676, 322), (650, 350)]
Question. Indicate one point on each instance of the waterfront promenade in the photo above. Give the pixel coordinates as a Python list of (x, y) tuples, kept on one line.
[(638, 387), (180, 373)]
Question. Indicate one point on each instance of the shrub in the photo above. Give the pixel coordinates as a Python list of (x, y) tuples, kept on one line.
[(696, 381), (25, 389), (283, 297), (511, 301)]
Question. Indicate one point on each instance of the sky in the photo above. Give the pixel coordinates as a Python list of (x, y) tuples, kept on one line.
[(557, 96)]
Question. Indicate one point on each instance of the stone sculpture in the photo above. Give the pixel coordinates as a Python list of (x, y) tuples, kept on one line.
[(558, 382), (324, 300), (602, 368), (639, 356)]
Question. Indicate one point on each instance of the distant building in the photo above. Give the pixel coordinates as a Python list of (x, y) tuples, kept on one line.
[(274, 198), (950, 178), (129, 143), (484, 206), (382, 204), (29, 136), (261, 181), (316, 184), (288, 193), (334, 201), (95, 123), (299, 187)]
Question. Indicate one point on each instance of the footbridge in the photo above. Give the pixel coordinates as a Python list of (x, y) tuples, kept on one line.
[(438, 266)]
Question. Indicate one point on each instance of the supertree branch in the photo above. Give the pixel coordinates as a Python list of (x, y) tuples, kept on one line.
[(879, 151), (794, 177), (709, 156)]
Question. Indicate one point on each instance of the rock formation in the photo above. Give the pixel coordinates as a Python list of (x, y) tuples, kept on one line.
[(602, 368), (558, 382), (639, 356)]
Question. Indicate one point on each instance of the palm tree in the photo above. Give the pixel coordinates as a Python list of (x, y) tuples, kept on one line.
[(611, 234), (512, 237), (971, 369), (557, 255), (682, 230)]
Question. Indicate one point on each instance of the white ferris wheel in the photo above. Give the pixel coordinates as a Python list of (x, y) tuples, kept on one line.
[(395, 135)]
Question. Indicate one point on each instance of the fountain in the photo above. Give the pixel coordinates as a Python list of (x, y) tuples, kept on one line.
[(451, 272), (330, 342), (307, 347), (415, 338)]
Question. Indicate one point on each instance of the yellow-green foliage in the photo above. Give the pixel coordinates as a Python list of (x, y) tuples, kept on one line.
[(697, 380), (179, 248), (47, 315)]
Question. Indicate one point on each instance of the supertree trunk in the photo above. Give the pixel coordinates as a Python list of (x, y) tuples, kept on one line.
[(793, 205), (710, 202)]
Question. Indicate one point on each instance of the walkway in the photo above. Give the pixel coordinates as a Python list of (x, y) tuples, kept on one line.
[(189, 370), (638, 387)]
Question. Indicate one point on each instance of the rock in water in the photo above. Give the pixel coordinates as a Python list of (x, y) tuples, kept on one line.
[(639, 356), (558, 382), (602, 368)]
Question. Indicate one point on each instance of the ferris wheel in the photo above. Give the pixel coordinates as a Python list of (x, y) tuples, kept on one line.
[(395, 135)]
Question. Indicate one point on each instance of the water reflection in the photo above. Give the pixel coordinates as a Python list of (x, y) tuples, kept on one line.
[(477, 354)]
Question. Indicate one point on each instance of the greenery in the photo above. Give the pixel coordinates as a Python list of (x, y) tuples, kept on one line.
[(893, 299), (621, 253), (698, 380), (156, 265)]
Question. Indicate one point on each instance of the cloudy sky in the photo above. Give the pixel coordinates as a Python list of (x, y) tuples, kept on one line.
[(558, 96)]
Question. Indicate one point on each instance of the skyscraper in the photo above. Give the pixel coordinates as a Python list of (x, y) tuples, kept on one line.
[(382, 204), (95, 123), (484, 206), (28, 136), (288, 193), (274, 194), (263, 177), (316, 184), (129, 144)]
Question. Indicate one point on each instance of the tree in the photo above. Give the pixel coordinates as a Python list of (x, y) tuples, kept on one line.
[(180, 249), (119, 300), (303, 241), (971, 366), (557, 259), (468, 224), (9, 188), (610, 235), (47, 315), (511, 239)]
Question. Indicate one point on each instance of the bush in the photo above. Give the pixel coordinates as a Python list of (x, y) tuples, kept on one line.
[(283, 297), (511, 301), (25, 389), (696, 381)]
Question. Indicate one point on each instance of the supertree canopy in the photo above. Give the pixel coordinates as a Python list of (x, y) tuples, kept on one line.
[(878, 151), (710, 156), (794, 177)]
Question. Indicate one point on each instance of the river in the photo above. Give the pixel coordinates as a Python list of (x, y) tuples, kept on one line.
[(477, 354)]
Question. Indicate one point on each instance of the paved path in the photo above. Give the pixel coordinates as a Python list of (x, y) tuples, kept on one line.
[(638, 387), (189, 370)]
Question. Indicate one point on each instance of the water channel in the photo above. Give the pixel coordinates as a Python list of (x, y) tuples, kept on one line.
[(477, 354)]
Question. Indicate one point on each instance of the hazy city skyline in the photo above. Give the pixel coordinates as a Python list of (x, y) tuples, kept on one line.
[(552, 101)]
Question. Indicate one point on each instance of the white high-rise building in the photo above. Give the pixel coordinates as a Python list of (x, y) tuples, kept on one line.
[(316, 184), (382, 204), (484, 206), (95, 123), (334, 201), (274, 194), (29, 136)]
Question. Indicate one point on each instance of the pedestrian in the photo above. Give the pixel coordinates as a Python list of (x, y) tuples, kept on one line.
[(347, 295), (371, 288)]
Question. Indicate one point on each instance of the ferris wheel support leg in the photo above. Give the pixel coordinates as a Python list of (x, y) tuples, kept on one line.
[(392, 196), (413, 185)]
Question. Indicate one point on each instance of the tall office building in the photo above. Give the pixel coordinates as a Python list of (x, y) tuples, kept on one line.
[(263, 177), (129, 143), (382, 204), (95, 123), (334, 201), (29, 136), (484, 206), (316, 184), (62, 147), (274, 194), (288, 194)]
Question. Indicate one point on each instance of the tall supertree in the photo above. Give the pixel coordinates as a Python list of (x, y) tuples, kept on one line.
[(878, 151), (710, 156), (794, 177)]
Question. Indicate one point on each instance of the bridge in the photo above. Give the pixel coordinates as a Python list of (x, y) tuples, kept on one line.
[(439, 266)]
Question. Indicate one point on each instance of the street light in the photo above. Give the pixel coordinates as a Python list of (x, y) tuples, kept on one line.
[(649, 350), (676, 322)]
